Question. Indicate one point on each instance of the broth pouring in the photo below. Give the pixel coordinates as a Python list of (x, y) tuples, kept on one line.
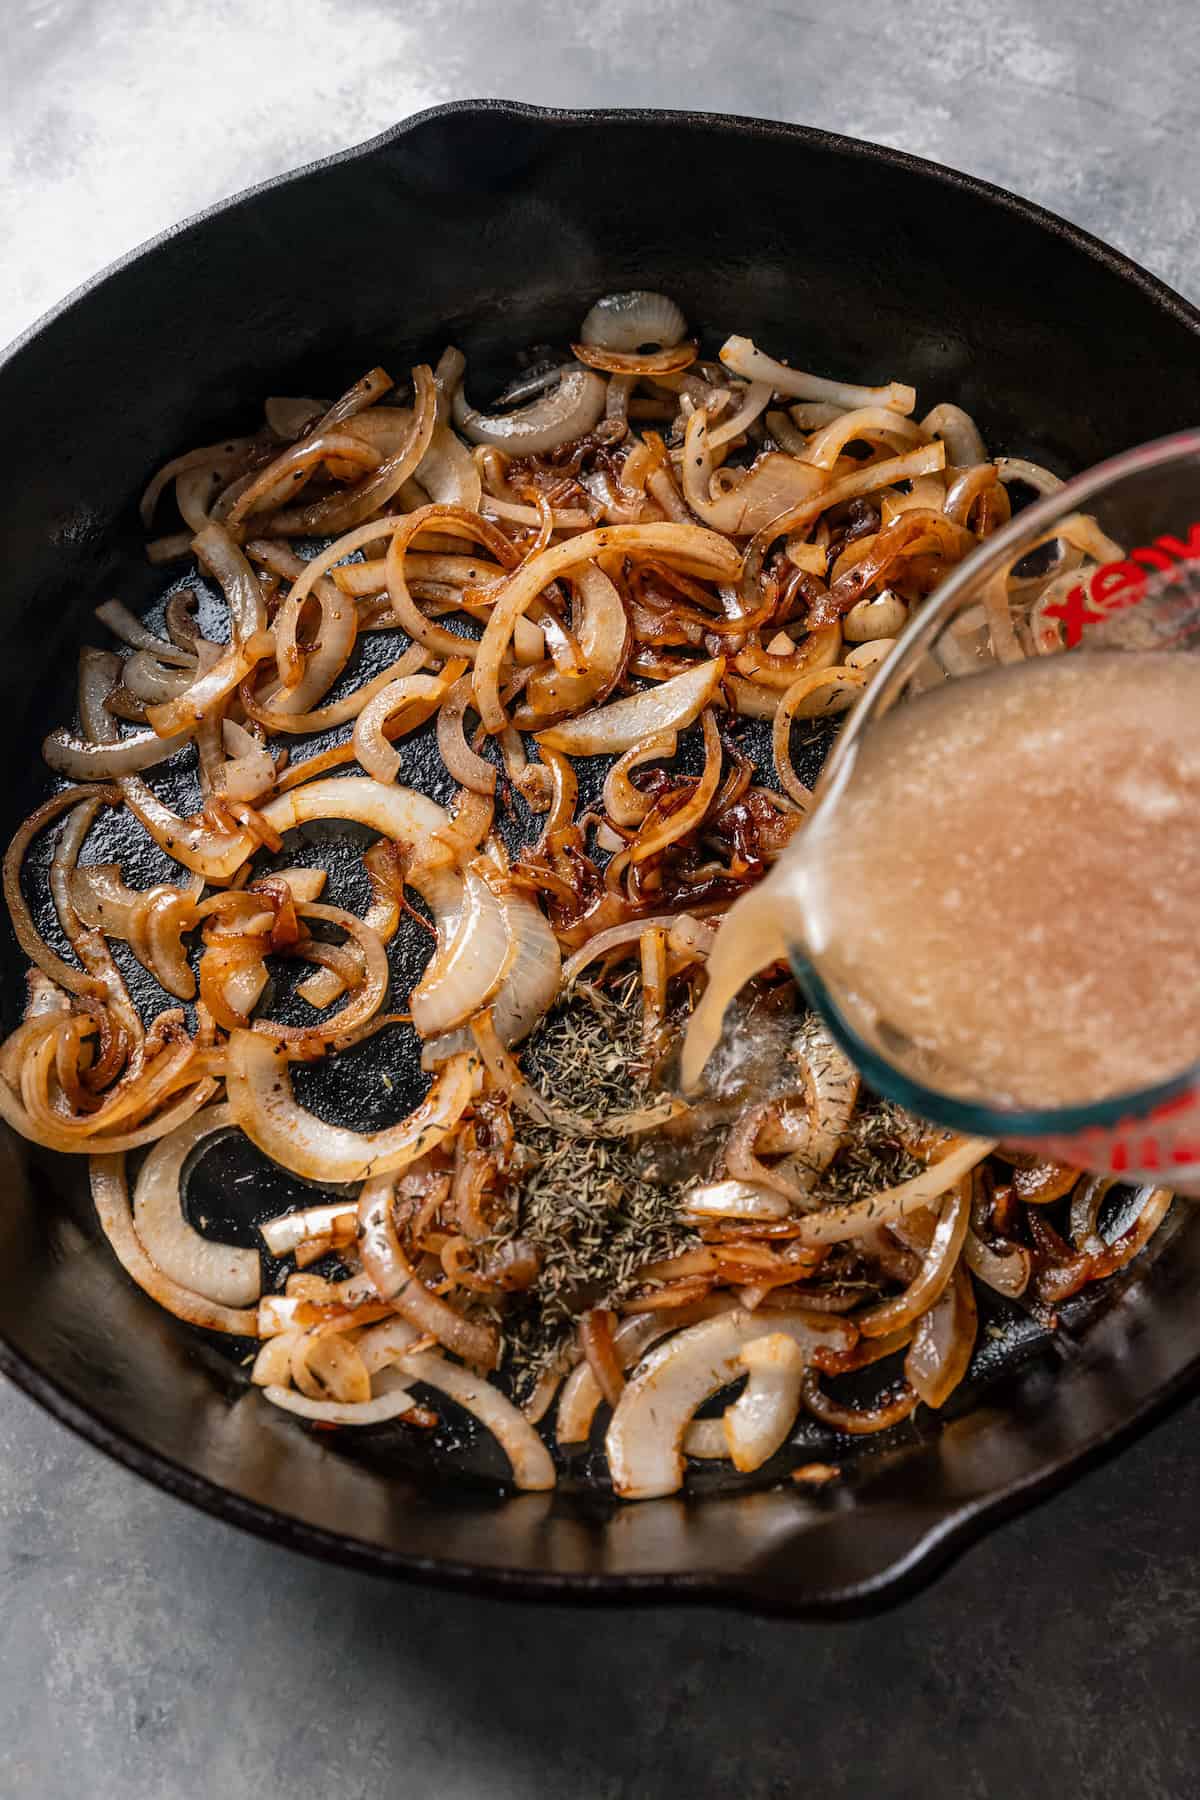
[(1005, 894)]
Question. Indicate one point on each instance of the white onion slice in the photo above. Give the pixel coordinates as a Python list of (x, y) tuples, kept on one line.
[(834, 1224), (735, 1200), (377, 756), (398, 813), (110, 1195), (774, 483), (466, 971), (532, 1468), (376, 1411), (741, 355), (529, 986), (82, 760), (601, 631), (262, 1103), (222, 1272), (645, 1437), (448, 472), (627, 322), (568, 411), (959, 432), (397, 1282), (282, 1234), (129, 628), (691, 547), (759, 1420), (754, 400), (670, 706)]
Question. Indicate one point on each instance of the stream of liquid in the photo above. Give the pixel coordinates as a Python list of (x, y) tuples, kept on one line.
[(1005, 896)]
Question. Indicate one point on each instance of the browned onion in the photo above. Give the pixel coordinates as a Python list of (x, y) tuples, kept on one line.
[(397, 1282)]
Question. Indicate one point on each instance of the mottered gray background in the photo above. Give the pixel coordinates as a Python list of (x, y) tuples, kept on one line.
[(148, 1653)]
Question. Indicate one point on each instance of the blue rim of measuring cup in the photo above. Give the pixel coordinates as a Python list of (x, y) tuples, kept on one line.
[(947, 1109)]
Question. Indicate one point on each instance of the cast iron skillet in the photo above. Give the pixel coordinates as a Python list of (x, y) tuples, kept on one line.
[(492, 226)]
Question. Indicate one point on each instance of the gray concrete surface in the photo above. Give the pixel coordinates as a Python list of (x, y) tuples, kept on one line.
[(147, 1653)]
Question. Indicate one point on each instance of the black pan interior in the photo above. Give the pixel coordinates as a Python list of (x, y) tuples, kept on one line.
[(493, 227)]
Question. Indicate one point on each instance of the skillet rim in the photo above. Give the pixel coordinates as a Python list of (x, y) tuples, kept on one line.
[(938, 1533)]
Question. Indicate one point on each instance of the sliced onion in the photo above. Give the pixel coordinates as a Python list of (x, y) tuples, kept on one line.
[(735, 1200), (645, 1437), (307, 675), (220, 1272), (754, 399), (938, 1265), (243, 592), (398, 813), (658, 833), (458, 524), (622, 724), (465, 764), (873, 424), (249, 772), (261, 1101), (940, 1352), (208, 690), (532, 1468), (635, 362), (390, 1405), (567, 412), (958, 432), (681, 544), (530, 984), (410, 695), (76, 981), (397, 1282), (342, 512), (287, 1231), (758, 1422), (129, 628), (633, 321), (223, 459), (369, 992), (82, 760), (283, 478), (1005, 1268), (110, 1195), (448, 472), (835, 1224), (740, 355), (774, 484), (613, 937), (625, 804), (601, 630), (338, 711), (469, 966), (815, 695)]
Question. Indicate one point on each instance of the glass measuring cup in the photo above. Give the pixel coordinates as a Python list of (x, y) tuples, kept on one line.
[(1111, 560)]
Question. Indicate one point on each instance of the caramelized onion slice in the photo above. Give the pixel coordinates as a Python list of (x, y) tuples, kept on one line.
[(221, 1272), (645, 1437), (262, 1103), (110, 1194), (682, 544), (622, 724), (397, 1282)]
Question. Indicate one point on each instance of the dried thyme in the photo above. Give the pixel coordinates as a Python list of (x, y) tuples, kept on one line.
[(872, 1157), (587, 1205)]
